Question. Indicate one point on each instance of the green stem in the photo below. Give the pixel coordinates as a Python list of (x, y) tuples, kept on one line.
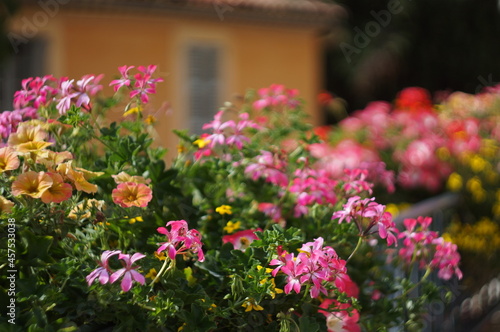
[(163, 270), (427, 273), (360, 240)]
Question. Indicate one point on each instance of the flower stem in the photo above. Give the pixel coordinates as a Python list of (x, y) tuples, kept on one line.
[(162, 270), (360, 240)]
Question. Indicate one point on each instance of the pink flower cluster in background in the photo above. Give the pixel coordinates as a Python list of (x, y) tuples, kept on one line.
[(141, 84), (423, 246), (276, 96), (314, 265)]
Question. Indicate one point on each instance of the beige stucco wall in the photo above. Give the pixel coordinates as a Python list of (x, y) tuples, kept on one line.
[(254, 56)]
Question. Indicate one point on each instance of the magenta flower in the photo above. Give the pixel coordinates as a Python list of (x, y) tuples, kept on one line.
[(422, 246), (446, 259), (103, 271), (128, 271), (124, 80), (315, 265), (269, 167), (181, 240), (357, 210)]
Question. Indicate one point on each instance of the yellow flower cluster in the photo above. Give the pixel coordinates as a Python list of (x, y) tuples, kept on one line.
[(483, 237)]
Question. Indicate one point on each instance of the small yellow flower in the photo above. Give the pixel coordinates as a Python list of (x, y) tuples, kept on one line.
[(180, 148), (250, 305), (151, 274), (477, 163), (150, 120), (231, 227), (392, 209), (136, 219), (161, 256), (181, 327), (224, 209), (134, 110), (455, 182), (443, 153), (201, 142)]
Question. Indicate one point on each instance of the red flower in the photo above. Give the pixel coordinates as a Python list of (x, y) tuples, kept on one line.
[(414, 99)]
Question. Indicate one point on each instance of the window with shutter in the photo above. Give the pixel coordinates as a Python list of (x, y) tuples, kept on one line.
[(27, 62), (203, 85)]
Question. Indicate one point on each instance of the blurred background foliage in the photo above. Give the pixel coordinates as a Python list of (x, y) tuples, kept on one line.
[(443, 46)]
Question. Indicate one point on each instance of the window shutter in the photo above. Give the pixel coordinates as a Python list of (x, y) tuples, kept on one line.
[(204, 85)]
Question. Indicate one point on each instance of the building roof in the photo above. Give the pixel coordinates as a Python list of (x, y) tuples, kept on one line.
[(305, 12)]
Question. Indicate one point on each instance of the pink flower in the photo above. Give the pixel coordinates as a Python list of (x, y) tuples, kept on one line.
[(338, 319), (276, 96), (269, 167), (124, 80), (446, 259), (103, 271), (242, 239), (271, 210), (129, 194), (314, 265), (357, 210), (181, 240), (128, 271)]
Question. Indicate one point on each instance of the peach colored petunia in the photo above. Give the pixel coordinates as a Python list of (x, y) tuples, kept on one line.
[(59, 191), (124, 177), (54, 158), (8, 159), (83, 209), (5, 205), (78, 178), (33, 146), (27, 133), (129, 194), (31, 184)]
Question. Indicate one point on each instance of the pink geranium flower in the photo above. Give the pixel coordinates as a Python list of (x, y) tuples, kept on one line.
[(181, 240), (128, 271), (129, 194), (338, 319), (104, 270)]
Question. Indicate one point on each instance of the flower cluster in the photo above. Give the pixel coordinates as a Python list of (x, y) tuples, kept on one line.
[(181, 240), (314, 266), (370, 213), (276, 96), (128, 272), (142, 84), (423, 246)]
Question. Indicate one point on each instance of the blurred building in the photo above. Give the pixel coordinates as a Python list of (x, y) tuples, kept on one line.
[(207, 51)]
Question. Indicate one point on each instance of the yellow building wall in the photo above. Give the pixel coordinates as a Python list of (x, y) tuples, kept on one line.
[(254, 56)]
